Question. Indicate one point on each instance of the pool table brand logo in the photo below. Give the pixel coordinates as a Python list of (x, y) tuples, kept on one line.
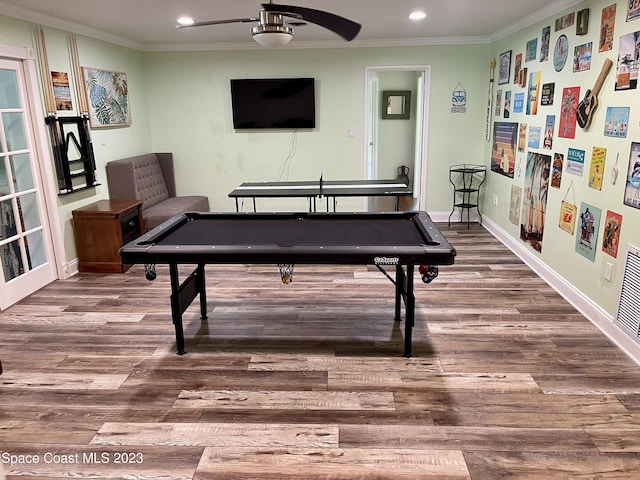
[(386, 260)]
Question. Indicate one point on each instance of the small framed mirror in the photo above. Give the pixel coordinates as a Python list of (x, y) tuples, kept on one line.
[(396, 104)]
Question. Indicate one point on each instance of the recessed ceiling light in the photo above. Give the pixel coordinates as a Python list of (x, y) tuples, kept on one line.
[(417, 15), (185, 21)]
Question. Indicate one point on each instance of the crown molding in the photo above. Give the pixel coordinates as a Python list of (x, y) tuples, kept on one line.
[(50, 21)]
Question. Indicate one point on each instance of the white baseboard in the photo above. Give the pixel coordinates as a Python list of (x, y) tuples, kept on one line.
[(69, 269)]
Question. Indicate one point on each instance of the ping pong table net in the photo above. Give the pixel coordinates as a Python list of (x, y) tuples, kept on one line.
[(286, 272)]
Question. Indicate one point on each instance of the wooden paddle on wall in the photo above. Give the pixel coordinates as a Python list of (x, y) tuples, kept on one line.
[(589, 103)]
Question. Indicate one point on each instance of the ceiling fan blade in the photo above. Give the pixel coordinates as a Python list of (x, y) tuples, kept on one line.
[(219, 22), (344, 27)]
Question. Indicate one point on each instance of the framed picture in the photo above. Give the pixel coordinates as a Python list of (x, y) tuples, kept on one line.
[(582, 22), (505, 68), (108, 95), (396, 105)]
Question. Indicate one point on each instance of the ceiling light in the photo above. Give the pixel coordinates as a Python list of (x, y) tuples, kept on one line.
[(417, 15), (272, 39), (272, 32), (185, 21)]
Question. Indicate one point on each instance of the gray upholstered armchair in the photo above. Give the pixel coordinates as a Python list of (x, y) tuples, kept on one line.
[(150, 178)]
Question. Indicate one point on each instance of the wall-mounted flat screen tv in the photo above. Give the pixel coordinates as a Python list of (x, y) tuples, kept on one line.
[(273, 103)]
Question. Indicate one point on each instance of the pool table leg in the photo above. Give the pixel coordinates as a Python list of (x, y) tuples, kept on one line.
[(399, 283), (182, 294), (176, 313), (410, 308), (404, 288)]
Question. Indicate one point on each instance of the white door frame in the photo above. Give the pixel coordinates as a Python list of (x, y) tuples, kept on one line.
[(422, 137), (43, 175)]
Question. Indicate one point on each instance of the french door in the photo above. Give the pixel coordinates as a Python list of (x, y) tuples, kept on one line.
[(26, 249)]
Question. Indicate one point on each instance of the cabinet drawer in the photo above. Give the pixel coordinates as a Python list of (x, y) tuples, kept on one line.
[(130, 224)]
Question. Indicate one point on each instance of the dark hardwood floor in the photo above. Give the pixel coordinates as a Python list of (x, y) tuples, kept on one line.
[(307, 381)]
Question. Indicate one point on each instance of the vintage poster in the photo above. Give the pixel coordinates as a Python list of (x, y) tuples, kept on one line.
[(575, 161), (582, 57), (61, 90), (534, 137), (514, 204), (517, 69), (588, 224), (523, 77), (547, 94), (544, 45), (617, 122), (607, 27), (503, 155), (611, 234), (534, 93), (504, 68), (506, 111), (632, 188), (633, 10), (532, 47), (518, 102), (534, 201), (498, 108), (570, 101), (556, 170), (522, 137), (627, 68), (568, 217), (565, 21), (549, 125), (596, 169)]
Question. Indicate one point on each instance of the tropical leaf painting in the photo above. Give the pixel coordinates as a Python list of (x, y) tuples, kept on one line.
[(108, 97)]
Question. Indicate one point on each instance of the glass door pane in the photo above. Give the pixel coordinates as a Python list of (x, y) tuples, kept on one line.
[(25, 244)]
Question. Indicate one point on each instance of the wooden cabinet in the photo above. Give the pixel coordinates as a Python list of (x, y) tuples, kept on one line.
[(101, 229)]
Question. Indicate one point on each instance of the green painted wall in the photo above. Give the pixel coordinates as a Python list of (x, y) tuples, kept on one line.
[(558, 247), (190, 114)]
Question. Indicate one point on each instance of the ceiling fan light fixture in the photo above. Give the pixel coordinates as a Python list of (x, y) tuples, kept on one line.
[(272, 36)]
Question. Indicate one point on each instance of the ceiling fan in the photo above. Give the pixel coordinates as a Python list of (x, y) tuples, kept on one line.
[(273, 31)]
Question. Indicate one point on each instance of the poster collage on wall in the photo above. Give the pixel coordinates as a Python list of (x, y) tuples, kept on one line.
[(542, 166)]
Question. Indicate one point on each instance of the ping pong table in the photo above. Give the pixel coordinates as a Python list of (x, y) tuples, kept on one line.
[(314, 190)]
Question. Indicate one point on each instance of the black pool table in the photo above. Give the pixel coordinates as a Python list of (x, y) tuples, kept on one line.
[(400, 240)]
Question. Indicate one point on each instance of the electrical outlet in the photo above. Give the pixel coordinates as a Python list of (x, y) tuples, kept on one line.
[(495, 199)]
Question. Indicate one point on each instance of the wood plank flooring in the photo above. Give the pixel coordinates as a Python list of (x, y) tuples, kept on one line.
[(307, 381)]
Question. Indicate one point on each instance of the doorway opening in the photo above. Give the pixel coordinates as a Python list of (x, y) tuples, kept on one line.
[(396, 141)]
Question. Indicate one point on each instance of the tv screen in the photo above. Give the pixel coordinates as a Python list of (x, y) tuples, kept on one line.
[(273, 103)]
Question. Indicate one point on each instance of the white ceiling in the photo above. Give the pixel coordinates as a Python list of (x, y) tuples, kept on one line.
[(150, 24)]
